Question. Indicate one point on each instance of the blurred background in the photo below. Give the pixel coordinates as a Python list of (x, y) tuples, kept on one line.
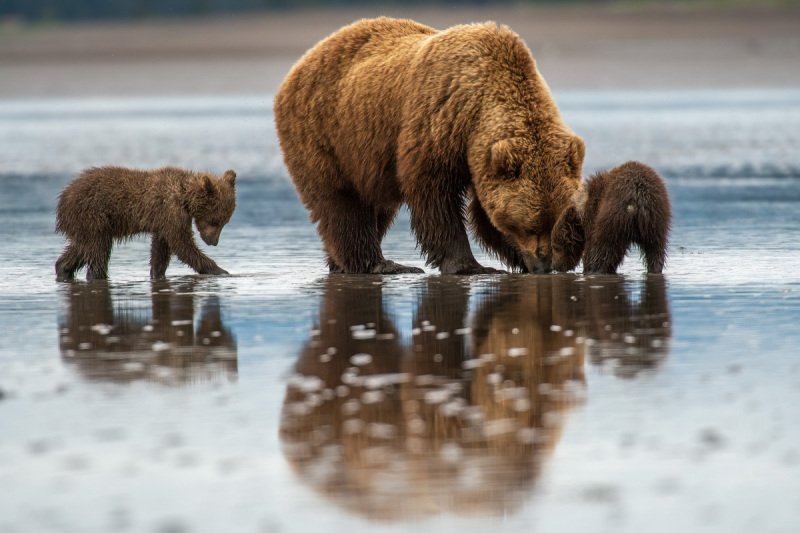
[(138, 47)]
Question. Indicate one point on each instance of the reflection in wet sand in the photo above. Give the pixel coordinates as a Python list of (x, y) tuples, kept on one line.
[(457, 420), (460, 418), (114, 339), (629, 328)]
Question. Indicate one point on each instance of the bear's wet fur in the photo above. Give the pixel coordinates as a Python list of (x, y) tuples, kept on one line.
[(110, 204), (626, 205), (385, 112)]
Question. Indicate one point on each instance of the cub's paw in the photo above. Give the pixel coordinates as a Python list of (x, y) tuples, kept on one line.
[(390, 267), (217, 271)]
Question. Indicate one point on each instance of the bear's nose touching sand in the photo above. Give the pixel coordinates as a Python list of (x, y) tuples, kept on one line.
[(109, 204), (458, 124)]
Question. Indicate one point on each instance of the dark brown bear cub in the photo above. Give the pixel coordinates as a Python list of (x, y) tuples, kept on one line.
[(112, 203), (626, 205)]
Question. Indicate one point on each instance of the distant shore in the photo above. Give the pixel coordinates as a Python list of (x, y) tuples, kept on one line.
[(576, 48)]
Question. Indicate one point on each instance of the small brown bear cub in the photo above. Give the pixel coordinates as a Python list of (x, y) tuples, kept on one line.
[(626, 205), (112, 203)]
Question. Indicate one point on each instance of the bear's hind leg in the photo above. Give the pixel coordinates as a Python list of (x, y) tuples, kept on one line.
[(70, 261), (97, 259), (604, 254), (349, 231), (159, 257), (437, 218), (655, 256)]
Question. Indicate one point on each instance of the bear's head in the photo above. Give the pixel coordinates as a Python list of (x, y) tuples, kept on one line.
[(214, 202), (528, 186)]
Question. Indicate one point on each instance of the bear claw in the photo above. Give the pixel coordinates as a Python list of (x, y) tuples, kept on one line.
[(390, 267)]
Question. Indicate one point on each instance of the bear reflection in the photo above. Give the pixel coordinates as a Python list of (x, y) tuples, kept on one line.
[(457, 418), (629, 326), (161, 339)]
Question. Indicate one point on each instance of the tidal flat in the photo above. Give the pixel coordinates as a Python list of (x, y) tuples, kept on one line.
[(282, 398)]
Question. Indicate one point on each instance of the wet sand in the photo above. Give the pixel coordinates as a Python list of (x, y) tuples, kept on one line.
[(285, 399), (591, 48)]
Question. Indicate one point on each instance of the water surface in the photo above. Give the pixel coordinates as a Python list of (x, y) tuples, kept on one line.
[(284, 399)]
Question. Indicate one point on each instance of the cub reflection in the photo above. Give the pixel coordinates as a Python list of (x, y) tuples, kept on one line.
[(161, 340), (458, 418), (629, 327)]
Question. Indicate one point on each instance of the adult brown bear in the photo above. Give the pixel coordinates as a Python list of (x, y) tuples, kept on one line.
[(385, 112)]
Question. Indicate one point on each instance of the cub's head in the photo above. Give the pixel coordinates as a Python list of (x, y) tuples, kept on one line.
[(567, 240), (527, 187), (213, 205)]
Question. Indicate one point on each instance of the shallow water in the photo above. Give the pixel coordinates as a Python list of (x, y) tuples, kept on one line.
[(284, 399)]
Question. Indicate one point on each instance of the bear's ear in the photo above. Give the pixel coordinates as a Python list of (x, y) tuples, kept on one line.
[(505, 161), (208, 186), (576, 152), (230, 177)]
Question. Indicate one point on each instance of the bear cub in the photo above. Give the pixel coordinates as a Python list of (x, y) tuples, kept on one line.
[(113, 203), (626, 205)]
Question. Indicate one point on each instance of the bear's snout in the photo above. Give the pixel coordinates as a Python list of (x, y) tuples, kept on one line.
[(536, 264), (210, 235)]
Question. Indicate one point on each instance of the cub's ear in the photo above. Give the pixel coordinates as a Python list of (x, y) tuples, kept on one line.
[(568, 238), (505, 161), (576, 152), (208, 185), (230, 177)]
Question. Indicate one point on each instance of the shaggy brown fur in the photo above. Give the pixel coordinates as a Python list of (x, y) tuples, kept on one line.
[(385, 112), (626, 205), (111, 203)]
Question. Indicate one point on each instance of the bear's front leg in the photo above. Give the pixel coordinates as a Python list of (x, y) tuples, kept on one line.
[(159, 257), (184, 247), (437, 218)]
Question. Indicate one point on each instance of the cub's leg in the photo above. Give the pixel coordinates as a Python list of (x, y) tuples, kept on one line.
[(655, 256), (98, 254), (184, 247), (160, 255), (605, 250), (349, 231), (70, 261)]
